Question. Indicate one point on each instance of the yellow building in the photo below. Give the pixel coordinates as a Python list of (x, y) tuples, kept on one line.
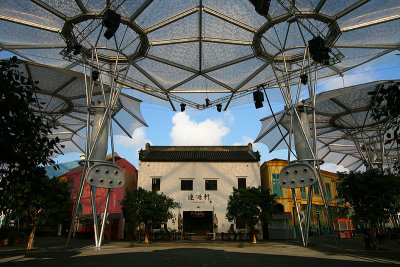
[(319, 224)]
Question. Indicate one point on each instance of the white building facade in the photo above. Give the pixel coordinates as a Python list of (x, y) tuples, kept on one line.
[(200, 178)]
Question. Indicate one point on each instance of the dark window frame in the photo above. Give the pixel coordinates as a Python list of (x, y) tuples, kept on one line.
[(303, 192), (241, 185), (155, 187), (316, 189), (185, 187), (277, 189), (209, 185), (328, 192)]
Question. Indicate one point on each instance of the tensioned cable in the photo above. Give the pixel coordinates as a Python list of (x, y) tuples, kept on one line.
[(273, 114)]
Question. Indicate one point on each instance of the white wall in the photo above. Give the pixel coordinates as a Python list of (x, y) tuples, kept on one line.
[(226, 173)]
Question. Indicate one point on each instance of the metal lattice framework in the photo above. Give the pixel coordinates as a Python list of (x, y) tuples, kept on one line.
[(346, 133), (61, 99), (184, 51)]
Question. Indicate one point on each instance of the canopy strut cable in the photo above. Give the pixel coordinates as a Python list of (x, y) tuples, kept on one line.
[(273, 114)]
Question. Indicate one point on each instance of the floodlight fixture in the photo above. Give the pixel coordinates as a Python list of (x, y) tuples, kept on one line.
[(111, 21), (319, 51), (219, 107), (304, 79), (208, 103), (95, 75), (261, 6), (183, 106), (258, 98)]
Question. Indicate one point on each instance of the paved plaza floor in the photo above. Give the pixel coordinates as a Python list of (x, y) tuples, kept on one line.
[(51, 251)]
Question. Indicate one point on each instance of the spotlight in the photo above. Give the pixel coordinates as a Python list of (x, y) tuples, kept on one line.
[(111, 21), (261, 6), (258, 98), (183, 106), (318, 50), (95, 75), (304, 79), (208, 102), (219, 107), (77, 49)]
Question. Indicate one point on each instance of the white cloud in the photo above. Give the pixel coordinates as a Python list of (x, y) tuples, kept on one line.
[(228, 116), (246, 140), (137, 141), (187, 132), (348, 80), (330, 167)]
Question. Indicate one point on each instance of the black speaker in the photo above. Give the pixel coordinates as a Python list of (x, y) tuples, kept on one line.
[(304, 79), (95, 75), (318, 50), (219, 107), (183, 106), (111, 21), (261, 6), (258, 98), (208, 103)]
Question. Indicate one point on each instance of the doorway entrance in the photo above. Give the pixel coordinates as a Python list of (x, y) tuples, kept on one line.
[(198, 222)]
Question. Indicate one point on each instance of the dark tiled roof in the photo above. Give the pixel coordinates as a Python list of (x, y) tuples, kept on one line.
[(199, 153)]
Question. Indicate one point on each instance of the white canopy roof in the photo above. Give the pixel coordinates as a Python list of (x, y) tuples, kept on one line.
[(346, 132), (61, 99), (187, 50)]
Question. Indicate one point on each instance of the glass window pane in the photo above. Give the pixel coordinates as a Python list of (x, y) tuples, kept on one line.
[(328, 192), (241, 183), (277, 189), (303, 192), (316, 189), (211, 184), (155, 185), (186, 185)]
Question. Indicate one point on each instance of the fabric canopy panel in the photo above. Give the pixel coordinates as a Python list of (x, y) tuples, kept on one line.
[(61, 99), (346, 132), (183, 51)]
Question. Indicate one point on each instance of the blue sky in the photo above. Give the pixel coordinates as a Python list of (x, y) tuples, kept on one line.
[(237, 126)]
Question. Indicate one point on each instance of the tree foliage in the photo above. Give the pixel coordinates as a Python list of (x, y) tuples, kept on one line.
[(142, 206), (373, 195), (26, 193), (250, 205)]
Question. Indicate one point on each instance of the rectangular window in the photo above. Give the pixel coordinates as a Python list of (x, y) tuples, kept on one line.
[(303, 192), (241, 183), (328, 192), (155, 184), (277, 189), (187, 185), (316, 188), (211, 184)]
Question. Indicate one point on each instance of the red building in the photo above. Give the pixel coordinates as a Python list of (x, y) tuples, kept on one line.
[(115, 227)]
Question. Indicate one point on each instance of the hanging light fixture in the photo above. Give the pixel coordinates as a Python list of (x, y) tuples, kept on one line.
[(258, 98), (304, 79), (208, 103), (95, 75), (319, 51), (261, 6), (111, 21)]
